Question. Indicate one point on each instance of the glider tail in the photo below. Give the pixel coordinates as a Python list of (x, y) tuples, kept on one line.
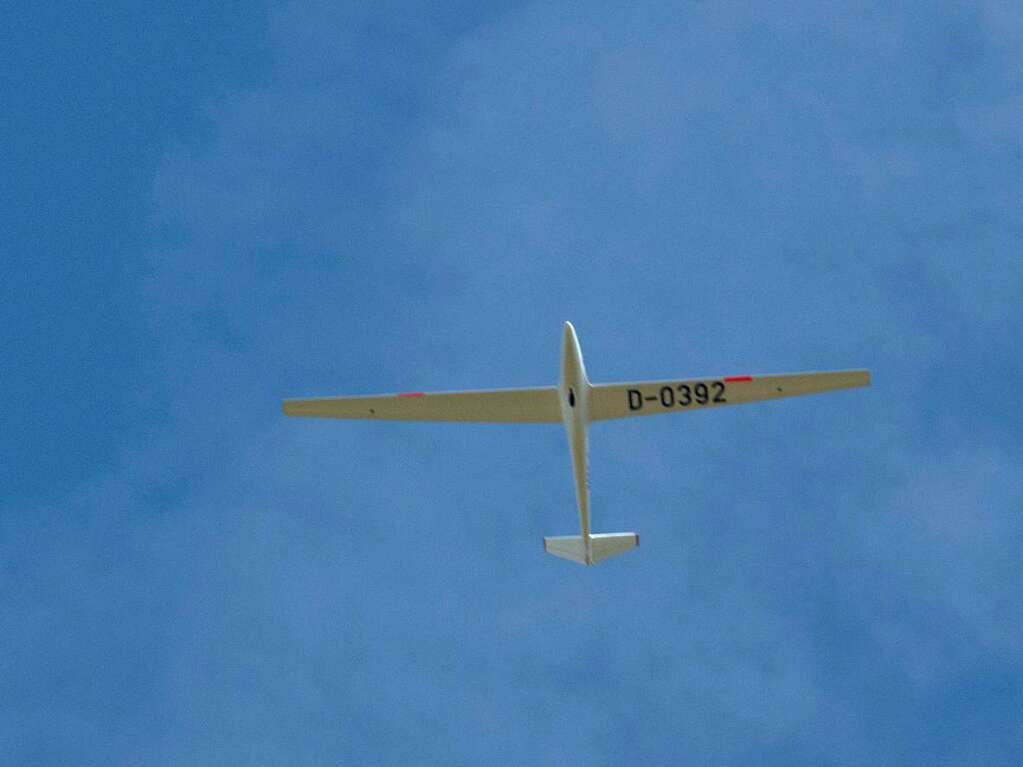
[(601, 546)]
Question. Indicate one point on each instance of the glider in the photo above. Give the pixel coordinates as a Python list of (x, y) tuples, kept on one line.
[(576, 403)]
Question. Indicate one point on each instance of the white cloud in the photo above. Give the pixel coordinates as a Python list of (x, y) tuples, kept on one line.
[(724, 189)]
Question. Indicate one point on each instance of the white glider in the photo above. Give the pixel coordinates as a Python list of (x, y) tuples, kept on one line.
[(576, 402)]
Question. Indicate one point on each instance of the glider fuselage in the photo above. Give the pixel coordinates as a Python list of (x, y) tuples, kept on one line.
[(574, 391)]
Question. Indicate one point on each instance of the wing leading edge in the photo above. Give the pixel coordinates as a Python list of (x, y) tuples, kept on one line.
[(533, 405), (625, 400)]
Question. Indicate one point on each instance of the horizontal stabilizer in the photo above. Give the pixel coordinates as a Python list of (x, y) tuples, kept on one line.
[(602, 546)]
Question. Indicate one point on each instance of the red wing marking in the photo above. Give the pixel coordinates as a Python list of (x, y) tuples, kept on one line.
[(738, 379), (412, 394)]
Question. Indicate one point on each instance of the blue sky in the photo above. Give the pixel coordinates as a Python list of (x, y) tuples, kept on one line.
[(205, 211)]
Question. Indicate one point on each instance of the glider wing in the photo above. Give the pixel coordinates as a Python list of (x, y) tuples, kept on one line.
[(653, 397), (535, 405)]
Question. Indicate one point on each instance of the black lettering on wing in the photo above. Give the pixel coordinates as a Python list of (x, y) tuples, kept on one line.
[(685, 395), (667, 396), (635, 399)]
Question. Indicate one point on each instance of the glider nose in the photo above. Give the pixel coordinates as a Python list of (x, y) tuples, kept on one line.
[(573, 372)]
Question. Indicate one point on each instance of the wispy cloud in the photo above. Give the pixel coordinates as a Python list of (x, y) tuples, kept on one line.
[(412, 200)]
